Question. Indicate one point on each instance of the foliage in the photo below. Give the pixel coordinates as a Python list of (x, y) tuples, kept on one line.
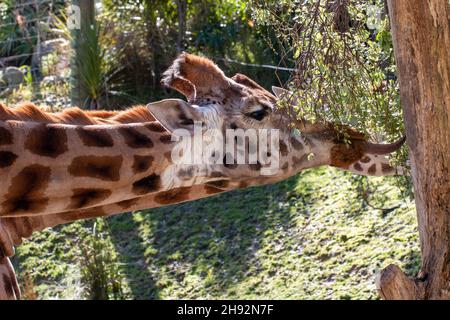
[(99, 272), (149, 36), (23, 26), (93, 62), (344, 66), (28, 290)]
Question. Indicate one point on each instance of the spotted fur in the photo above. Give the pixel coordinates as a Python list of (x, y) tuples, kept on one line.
[(77, 164)]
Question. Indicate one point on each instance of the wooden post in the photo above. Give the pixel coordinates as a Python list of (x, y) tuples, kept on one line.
[(79, 94), (421, 36), (182, 8)]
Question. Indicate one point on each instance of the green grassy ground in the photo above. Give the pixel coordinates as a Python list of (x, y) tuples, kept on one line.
[(310, 237)]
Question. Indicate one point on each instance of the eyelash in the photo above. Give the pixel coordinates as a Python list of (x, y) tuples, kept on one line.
[(258, 115)]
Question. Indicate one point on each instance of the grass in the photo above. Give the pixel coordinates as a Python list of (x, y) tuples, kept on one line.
[(309, 237)]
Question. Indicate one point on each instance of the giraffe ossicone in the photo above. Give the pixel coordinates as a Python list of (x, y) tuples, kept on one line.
[(61, 167)]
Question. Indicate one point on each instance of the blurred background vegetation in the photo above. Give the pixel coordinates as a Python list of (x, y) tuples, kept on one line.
[(134, 41), (321, 234)]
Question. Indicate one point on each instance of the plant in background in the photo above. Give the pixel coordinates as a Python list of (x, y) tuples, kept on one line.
[(23, 24), (344, 69), (100, 273), (95, 63), (28, 77), (28, 289), (150, 33)]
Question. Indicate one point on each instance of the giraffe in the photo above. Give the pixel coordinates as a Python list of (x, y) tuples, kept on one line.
[(61, 167)]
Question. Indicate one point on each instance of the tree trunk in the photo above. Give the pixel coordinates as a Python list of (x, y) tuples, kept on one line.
[(421, 35), (79, 92), (182, 8)]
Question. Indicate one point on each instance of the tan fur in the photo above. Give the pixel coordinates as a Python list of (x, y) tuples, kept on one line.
[(190, 73), (343, 155), (29, 112)]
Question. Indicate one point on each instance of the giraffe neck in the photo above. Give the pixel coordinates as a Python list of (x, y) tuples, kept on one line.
[(67, 173), (14, 229), (66, 168)]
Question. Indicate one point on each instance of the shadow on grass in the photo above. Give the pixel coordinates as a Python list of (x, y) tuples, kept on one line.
[(232, 245), (412, 263), (212, 240), (124, 233)]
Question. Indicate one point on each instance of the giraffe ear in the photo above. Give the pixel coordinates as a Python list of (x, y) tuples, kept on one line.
[(246, 81), (251, 84), (280, 92), (176, 115), (193, 76)]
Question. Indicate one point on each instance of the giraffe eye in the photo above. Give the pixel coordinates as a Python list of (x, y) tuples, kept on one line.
[(258, 114)]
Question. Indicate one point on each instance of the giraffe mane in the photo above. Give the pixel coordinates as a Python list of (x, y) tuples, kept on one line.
[(29, 112)]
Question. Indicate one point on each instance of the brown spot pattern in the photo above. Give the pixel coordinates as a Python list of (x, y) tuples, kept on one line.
[(217, 174), (95, 137), (255, 166), (7, 158), (87, 197), (47, 141), (297, 145), (386, 168), (372, 169), (283, 149), (26, 193), (102, 167), (148, 184), (186, 173), (298, 161), (155, 127), (135, 139), (168, 156), (219, 183), (166, 138), (142, 163), (365, 159), (125, 204), (212, 190), (173, 196), (5, 136), (342, 155), (357, 166), (232, 165)]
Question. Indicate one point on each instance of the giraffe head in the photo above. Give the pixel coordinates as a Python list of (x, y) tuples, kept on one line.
[(237, 110)]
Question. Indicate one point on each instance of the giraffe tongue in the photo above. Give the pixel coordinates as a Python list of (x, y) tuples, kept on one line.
[(375, 148)]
